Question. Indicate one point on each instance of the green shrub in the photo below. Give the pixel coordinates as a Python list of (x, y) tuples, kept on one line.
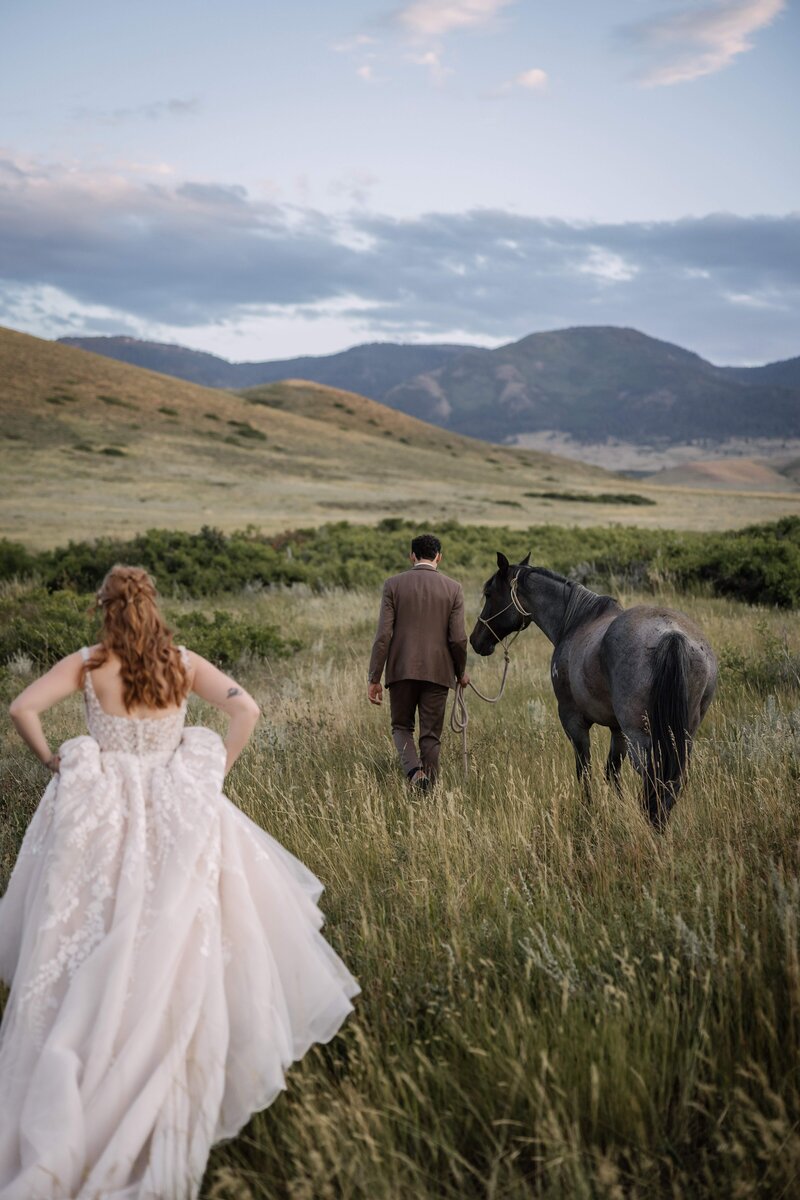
[(187, 564), (115, 402), (760, 565), (593, 497), (246, 430), (224, 640), (46, 626), (15, 560)]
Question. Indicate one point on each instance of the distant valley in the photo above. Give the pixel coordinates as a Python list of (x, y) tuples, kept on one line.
[(608, 395)]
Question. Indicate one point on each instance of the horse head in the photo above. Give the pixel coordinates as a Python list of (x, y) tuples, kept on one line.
[(501, 614)]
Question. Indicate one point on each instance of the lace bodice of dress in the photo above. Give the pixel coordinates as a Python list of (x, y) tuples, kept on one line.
[(131, 735)]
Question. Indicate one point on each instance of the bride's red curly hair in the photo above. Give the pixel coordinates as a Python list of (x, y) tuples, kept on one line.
[(151, 669)]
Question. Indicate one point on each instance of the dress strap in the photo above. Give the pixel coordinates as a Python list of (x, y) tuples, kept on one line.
[(85, 653)]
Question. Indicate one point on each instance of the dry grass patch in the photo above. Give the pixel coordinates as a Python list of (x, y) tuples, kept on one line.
[(556, 1003)]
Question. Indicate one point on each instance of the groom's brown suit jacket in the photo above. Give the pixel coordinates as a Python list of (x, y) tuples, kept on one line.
[(421, 632)]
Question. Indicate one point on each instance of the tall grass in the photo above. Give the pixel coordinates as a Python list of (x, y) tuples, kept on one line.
[(556, 1002)]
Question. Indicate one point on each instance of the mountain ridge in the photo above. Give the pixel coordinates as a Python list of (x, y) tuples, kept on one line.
[(376, 366), (596, 382), (588, 382)]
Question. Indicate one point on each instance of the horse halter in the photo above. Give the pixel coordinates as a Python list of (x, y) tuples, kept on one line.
[(516, 603)]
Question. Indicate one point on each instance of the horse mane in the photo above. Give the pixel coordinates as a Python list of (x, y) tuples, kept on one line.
[(582, 605)]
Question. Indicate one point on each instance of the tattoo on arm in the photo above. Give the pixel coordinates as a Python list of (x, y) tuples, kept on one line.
[(234, 691)]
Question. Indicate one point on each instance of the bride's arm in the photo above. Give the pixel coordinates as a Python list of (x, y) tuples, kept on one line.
[(219, 689), (60, 681)]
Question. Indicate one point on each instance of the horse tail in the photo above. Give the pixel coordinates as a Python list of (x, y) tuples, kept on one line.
[(668, 714)]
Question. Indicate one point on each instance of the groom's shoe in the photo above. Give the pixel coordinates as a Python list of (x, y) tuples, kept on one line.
[(418, 780)]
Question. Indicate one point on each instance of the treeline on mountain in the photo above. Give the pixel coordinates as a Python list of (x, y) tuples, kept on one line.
[(759, 564)]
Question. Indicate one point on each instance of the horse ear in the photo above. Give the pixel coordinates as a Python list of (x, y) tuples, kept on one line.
[(526, 560), (502, 563)]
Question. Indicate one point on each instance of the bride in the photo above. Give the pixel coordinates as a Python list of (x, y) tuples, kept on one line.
[(163, 952)]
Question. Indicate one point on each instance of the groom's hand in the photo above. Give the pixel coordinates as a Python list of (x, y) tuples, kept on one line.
[(375, 693)]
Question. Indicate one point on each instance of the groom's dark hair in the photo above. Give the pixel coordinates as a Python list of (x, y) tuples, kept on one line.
[(426, 546)]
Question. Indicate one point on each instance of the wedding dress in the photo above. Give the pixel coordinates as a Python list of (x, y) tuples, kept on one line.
[(165, 965)]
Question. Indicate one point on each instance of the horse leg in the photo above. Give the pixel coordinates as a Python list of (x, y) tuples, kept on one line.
[(657, 800), (577, 730), (616, 757)]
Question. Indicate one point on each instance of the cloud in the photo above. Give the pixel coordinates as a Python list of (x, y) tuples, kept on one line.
[(433, 61), (534, 80), (691, 42), (156, 110), (212, 195), (193, 255), (434, 18), (607, 265), (358, 42)]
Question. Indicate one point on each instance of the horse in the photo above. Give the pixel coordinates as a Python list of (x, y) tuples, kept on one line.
[(646, 673)]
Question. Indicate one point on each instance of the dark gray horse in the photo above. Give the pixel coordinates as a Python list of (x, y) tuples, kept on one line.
[(646, 673)]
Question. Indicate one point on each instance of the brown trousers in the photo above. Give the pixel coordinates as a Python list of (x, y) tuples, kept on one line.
[(408, 697)]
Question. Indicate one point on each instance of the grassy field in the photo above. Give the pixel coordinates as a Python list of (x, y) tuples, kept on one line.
[(91, 446), (556, 1003)]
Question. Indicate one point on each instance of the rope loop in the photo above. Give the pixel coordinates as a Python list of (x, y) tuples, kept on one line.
[(459, 716)]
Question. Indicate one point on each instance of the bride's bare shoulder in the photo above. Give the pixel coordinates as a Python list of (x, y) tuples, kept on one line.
[(191, 661)]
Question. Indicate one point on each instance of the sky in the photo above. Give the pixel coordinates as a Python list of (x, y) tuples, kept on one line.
[(261, 180)]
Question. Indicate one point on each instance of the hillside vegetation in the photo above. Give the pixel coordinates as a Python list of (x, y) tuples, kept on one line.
[(91, 445)]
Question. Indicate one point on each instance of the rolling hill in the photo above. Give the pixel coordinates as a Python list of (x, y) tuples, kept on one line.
[(587, 384), (90, 446)]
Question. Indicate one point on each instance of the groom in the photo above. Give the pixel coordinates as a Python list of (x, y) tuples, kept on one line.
[(422, 642)]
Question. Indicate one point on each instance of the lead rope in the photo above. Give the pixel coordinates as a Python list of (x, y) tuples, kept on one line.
[(459, 716)]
